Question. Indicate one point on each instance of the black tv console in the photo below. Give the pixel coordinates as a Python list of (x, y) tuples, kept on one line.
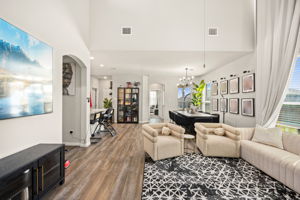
[(31, 173)]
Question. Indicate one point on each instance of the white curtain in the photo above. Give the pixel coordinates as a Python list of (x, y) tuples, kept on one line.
[(278, 26)]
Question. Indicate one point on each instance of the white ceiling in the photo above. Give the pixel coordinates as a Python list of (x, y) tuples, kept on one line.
[(168, 35)]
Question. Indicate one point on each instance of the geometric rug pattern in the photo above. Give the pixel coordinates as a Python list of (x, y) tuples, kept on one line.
[(193, 176)]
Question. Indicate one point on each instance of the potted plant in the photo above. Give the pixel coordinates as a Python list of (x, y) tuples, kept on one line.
[(197, 94), (107, 103)]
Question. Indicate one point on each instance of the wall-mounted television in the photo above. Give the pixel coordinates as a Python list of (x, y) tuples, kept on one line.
[(25, 74)]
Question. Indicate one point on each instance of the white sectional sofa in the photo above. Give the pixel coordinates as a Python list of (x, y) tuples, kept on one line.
[(281, 164)]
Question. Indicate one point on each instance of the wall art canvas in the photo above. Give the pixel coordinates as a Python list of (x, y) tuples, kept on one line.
[(214, 89), (25, 74), (223, 105), (224, 87), (248, 83), (248, 107), (215, 104), (234, 86), (234, 106), (69, 79)]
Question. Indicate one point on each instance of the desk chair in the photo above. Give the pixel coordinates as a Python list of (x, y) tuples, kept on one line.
[(96, 119), (104, 121)]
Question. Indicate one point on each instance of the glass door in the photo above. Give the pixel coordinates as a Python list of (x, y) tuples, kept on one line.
[(121, 104)]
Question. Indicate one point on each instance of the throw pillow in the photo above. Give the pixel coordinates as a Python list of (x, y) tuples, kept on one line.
[(269, 136), (219, 131), (166, 131)]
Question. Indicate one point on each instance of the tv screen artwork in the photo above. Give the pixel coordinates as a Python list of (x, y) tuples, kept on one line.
[(25, 74)]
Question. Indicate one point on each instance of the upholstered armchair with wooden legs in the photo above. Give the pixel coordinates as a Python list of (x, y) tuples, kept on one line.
[(160, 146), (210, 144)]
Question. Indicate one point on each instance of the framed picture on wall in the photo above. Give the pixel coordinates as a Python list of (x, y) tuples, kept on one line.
[(248, 83), (223, 105), (234, 106), (214, 89), (69, 80), (224, 87), (234, 85), (215, 104), (248, 107)]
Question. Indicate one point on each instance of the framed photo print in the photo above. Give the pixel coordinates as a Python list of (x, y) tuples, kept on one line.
[(248, 107), (234, 86), (215, 104), (214, 89), (248, 83), (223, 105), (234, 106), (224, 87)]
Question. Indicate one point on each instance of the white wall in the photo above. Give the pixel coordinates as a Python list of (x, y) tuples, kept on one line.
[(174, 25), (237, 67), (52, 22), (145, 99)]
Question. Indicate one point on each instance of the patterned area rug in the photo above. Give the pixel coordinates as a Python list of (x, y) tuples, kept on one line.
[(194, 176)]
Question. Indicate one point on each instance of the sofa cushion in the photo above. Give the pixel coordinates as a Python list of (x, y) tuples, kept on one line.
[(269, 136), (291, 142), (271, 160), (165, 131), (219, 131), (168, 146), (225, 145), (297, 177)]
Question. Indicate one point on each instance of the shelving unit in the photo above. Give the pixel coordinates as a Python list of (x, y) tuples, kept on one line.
[(31, 173), (128, 105)]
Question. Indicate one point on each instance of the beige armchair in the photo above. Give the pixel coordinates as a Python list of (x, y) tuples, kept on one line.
[(160, 146), (210, 144)]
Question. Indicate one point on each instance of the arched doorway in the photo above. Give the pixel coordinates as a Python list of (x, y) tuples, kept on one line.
[(75, 106), (156, 102)]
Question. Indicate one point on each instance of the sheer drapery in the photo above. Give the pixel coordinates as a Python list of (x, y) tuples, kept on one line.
[(277, 45)]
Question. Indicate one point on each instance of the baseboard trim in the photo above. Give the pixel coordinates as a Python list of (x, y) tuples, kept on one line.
[(143, 122), (85, 145), (76, 144)]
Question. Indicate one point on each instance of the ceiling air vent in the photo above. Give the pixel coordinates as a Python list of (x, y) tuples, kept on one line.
[(212, 31), (126, 31)]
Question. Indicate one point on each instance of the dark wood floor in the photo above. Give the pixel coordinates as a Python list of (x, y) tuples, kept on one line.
[(111, 169)]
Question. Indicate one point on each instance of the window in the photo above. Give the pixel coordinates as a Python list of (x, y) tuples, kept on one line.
[(184, 97), (153, 98), (206, 106), (289, 117)]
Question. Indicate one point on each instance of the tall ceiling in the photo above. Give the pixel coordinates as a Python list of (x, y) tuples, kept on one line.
[(168, 35)]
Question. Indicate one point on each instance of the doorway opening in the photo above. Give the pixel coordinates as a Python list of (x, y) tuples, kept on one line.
[(156, 102), (75, 105)]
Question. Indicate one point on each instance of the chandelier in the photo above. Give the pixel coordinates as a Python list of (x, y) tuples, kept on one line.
[(186, 80)]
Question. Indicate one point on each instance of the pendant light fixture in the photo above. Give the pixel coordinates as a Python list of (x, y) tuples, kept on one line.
[(186, 80)]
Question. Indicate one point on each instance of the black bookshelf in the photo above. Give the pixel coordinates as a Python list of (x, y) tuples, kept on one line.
[(128, 105)]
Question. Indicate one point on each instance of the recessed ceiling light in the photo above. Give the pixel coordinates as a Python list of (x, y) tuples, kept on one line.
[(105, 77), (92, 58), (101, 65)]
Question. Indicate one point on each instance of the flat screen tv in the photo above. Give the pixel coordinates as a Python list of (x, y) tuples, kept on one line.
[(25, 74)]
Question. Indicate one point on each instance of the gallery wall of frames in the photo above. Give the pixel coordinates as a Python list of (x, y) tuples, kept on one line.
[(225, 93)]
